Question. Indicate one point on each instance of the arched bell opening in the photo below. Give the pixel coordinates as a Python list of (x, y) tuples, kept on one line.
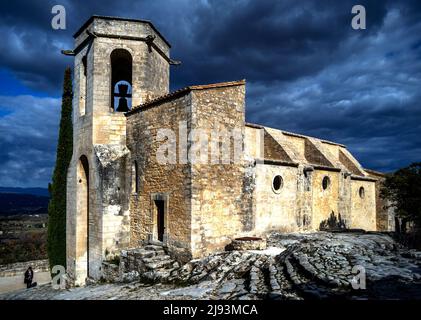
[(121, 80)]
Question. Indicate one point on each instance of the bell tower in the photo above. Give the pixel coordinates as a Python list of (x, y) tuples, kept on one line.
[(118, 63)]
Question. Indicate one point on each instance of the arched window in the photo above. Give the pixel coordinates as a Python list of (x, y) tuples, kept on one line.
[(135, 178), (83, 85), (121, 80), (361, 192), (326, 182)]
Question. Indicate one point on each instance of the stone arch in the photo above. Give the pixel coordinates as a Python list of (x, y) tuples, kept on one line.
[(121, 79), (82, 229)]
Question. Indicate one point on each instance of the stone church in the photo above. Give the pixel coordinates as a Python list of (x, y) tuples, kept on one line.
[(120, 196)]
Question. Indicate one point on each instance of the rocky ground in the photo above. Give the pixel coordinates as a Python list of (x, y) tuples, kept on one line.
[(296, 266)]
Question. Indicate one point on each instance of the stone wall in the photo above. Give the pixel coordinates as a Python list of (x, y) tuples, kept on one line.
[(363, 212), (113, 169), (345, 198), (385, 214), (219, 190), (19, 268), (226, 199), (314, 159), (76, 220), (169, 180), (324, 201), (275, 210), (304, 199), (253, 143)]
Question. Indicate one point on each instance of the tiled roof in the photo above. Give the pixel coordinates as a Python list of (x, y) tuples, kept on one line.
[(258, 126), (375, 173), (183, 91)]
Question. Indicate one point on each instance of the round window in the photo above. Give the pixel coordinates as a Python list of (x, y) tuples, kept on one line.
[(277, 183), (326, 183), (362, 192)]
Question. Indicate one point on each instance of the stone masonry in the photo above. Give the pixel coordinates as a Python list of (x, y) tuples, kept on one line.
[(120, 197)]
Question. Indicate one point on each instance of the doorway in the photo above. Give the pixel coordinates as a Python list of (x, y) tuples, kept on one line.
[(160, 218)]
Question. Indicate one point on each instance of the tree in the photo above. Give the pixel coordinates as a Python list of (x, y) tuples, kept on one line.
[(403, 190), (56, 241)]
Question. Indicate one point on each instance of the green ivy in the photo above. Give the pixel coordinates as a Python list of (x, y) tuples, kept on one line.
[(56, 240)]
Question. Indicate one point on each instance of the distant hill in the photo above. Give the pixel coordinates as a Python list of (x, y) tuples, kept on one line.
[(16, 203), (34, 191)]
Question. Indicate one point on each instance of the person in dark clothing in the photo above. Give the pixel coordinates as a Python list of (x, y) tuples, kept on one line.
[(29, 276)]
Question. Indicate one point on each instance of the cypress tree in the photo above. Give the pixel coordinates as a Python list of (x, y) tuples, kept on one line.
[(56, 241)]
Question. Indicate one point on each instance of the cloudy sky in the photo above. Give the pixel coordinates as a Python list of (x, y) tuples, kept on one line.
[(307, 71)]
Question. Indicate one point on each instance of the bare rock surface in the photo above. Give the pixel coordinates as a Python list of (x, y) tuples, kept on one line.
[(306, 266)]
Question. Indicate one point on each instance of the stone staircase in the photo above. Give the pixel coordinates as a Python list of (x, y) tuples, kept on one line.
[(150, 264), (235, 274)]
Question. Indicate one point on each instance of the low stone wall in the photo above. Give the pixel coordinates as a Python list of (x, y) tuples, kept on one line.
[(132, 259), (110, 272), (18, 268), (249, 243)]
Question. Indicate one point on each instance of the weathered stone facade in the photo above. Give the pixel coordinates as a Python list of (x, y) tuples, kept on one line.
[(168, 183), (98, 220), (120, 196), (386, 218)]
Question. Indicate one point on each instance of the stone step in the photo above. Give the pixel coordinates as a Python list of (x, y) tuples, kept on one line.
[(305, 265), (150, 276), (156, 275), (161, 265), (156, 243), (158, 262), (90, 281), (159, 252), (290, 270), (142, 254), (153, 247), (157, 258), (308, 272), (256, 277), (274, 285), (283, 281), (182, 273)]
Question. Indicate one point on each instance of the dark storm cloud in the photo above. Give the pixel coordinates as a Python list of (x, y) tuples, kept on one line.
[(28, 134), (269, 40), (369, 99), (216, 40), (307, 70)]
